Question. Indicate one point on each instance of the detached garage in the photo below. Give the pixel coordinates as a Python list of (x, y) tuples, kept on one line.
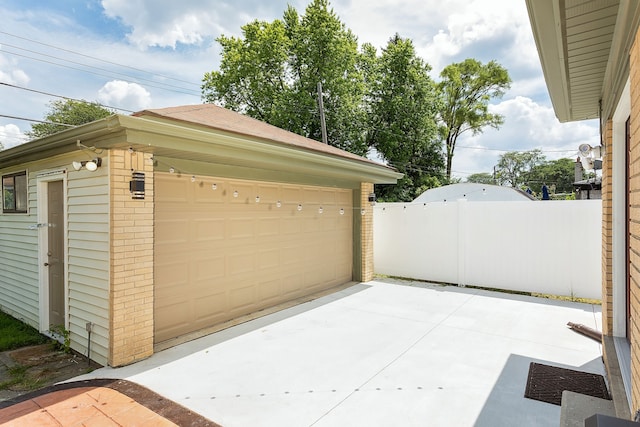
[(193, 216)]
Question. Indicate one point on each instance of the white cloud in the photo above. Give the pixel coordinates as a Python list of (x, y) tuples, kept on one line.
[(10, 73), (11, 136), (120, 94)]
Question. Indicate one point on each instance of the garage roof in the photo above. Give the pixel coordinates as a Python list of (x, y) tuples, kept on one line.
[(215, 117), (209, 134)]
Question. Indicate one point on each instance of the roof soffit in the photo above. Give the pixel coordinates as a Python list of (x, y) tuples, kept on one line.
[(574, 40)]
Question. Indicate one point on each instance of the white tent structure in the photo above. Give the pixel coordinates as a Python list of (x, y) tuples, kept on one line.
[(473, 193)]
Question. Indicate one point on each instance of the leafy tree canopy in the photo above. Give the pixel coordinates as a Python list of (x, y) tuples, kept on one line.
[(466, 89), (530, 169), (272, 74), (402, 118), (385, 101), (481, 178), (559, 173), (67, 112), (514, 168)]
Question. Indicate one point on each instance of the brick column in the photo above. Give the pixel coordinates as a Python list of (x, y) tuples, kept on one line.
[(607, 230), (131, 293), (366, 233)]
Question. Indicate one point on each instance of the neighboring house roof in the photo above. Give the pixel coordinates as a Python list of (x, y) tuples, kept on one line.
[(210, 134), (589, 184), (472, 192), (581, 46)]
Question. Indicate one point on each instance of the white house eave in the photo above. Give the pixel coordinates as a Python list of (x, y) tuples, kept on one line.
[(547, 31), (576, 42)]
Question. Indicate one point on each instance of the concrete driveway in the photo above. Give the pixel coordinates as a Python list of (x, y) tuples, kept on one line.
[(378, 354)]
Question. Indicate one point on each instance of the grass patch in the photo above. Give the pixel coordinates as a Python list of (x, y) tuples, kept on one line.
[(15, 334), (504, 291)]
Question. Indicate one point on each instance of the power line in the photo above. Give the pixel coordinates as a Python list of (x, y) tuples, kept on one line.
[(60, 96), (4, 45), (35, 120), (98, 59), (96, 73)]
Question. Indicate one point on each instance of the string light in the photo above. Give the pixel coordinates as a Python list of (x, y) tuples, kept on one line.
[(258, 199)]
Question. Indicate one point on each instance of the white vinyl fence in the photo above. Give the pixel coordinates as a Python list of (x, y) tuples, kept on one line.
[(550, 247)]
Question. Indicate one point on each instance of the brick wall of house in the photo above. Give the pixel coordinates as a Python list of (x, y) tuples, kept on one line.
[(607, 231), (634, 222), (366, 232), (131, 293)]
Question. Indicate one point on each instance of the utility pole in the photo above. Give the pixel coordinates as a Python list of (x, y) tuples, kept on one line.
[(323, 124)]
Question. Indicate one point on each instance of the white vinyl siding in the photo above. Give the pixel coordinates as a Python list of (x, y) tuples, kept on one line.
[(87, 272), (19, 259), (88, 259)]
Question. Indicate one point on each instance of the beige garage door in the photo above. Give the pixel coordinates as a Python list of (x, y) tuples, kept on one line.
[(225, 248)]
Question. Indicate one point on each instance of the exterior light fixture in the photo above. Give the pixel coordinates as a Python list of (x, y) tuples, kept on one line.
[(588, 156), (90, 165), (136, 185)]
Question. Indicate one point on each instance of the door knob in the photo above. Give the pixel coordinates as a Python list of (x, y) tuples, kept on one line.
[(46, 264)]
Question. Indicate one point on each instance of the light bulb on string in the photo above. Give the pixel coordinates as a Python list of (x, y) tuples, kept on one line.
[(214, 186), (193, 178), (341, 211), (257, 199), (278, 204), (320, 210), (299, 207), (171, 170), (235, 193), (362, 212)]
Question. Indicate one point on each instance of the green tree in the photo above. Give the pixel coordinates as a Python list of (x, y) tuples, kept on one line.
[(481, 178), (514, 168), (403, 109), (560, 173), (253, 72), (272, 74), (466, 89), (67, 112)]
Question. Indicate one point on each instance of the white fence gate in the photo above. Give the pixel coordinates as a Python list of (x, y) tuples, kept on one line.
[(549, 247)]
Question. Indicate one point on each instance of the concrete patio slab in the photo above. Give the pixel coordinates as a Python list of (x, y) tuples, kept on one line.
[(381, 353)]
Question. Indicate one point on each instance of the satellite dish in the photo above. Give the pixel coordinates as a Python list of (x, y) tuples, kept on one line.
[(584, 149)]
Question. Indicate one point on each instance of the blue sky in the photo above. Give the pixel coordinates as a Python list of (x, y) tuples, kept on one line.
[(137, 54)]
